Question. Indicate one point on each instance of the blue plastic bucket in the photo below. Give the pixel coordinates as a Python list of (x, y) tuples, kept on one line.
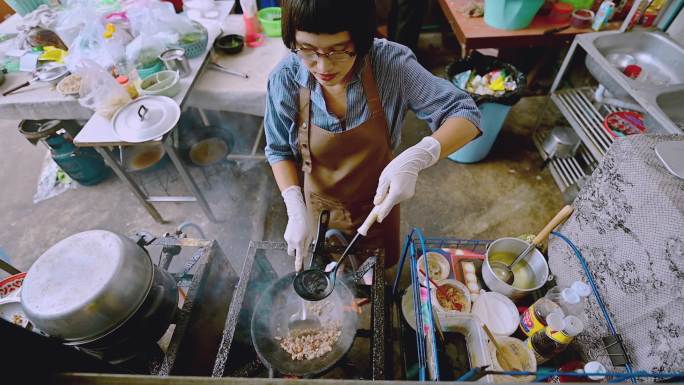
[(492, 119), (510, 14)]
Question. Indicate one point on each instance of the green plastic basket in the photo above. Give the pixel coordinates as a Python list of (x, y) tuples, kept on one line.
[(579, 4), (270, 20), (196, 43)]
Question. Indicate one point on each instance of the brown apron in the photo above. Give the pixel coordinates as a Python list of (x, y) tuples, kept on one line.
[(341, 170)]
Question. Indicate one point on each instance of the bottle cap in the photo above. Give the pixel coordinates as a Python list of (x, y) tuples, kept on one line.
[(581, 288), (595, 367), (572, 325), (555, 320), (570, 296)]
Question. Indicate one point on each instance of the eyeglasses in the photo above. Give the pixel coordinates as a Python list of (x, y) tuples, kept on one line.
[(310, 55)]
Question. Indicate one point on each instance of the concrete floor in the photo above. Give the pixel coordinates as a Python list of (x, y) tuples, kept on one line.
[(504, 195)]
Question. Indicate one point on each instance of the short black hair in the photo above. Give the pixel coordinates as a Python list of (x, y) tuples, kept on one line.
[(330, 16)]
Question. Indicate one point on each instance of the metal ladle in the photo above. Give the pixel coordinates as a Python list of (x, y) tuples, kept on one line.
[(504, 271), (315, 284)]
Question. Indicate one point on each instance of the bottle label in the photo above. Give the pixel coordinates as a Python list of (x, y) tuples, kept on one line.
[(529, 324), (559, 336)]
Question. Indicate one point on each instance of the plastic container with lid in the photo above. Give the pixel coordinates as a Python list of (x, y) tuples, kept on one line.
[(560, 13), (496, 311)]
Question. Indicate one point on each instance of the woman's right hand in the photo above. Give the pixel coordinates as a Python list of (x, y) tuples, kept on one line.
[(297, 233)]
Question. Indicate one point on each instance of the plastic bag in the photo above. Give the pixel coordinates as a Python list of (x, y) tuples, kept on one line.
[(99, 91), (156, 27), (481, 65), (90, 45)]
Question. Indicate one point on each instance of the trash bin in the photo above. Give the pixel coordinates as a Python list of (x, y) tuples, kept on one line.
[(493, 109)]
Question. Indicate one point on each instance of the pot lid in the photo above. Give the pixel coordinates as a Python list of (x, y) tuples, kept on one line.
[(68, 292), (146, 118)]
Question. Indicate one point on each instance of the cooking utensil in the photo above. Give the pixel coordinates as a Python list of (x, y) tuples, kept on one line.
[(303, 320), (175, 59), (316, 284), (561, 142), (221, 68), (507, 358), (86, 285), (504, 271), (146, 118), (143, 328), (525, 280), (45, 74), (271, 316), (440, 289)]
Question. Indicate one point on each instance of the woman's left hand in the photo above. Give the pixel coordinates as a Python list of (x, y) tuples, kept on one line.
[(398, 180)]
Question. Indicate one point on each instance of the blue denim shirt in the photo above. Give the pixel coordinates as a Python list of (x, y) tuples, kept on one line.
[(402, 83)]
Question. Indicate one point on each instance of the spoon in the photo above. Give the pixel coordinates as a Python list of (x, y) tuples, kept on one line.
[(440, 289), (504, 271), (508, 359), (302, 320), (315, 284)]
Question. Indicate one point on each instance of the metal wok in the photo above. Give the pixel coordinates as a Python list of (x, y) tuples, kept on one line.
[(270, 320)]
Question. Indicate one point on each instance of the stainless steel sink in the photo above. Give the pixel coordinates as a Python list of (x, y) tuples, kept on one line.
[(658, 90), (671, 103), (660, 58)]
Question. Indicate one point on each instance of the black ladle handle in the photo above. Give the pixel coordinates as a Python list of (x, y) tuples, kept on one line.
[(323, 221), (20, 86)]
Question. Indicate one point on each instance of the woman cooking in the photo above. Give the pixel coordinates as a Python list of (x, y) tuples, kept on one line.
[(335, 110)]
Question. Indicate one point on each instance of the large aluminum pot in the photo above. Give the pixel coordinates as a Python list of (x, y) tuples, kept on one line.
[(86, 285), (535, 259)]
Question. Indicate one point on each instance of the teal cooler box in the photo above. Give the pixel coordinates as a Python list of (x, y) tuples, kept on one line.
[(493, 109)]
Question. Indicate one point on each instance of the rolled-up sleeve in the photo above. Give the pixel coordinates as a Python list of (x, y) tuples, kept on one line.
[(433, 99), (280, 117)]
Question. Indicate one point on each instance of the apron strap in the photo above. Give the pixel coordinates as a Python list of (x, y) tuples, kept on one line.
[(370, 88), (304, 129)]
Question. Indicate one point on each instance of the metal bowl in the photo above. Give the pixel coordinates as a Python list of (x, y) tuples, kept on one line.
[(535, 259), (86, 285)]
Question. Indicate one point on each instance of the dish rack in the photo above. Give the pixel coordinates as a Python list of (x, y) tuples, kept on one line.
[(428, 364)]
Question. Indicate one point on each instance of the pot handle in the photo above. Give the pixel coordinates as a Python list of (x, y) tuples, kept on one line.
[(142, 112), (557, 220), (323, 220), (363, 269)]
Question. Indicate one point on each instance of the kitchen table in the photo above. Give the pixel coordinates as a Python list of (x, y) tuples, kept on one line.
[(203, 89), (473, 32), (213, 90), (99, 133)]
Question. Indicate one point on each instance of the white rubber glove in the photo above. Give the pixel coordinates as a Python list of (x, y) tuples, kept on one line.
[(398, 180), (297, 233)]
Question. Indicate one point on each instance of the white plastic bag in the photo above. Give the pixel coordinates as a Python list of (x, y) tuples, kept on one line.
[(99, 91), (90, 45)]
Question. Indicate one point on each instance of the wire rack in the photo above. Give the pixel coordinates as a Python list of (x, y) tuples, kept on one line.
[(417, 244)]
